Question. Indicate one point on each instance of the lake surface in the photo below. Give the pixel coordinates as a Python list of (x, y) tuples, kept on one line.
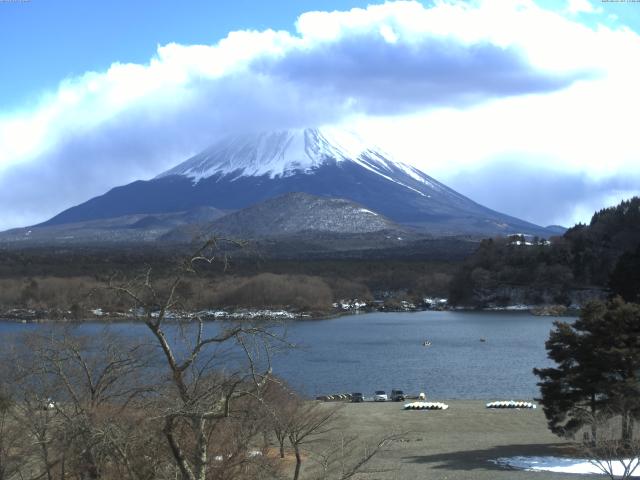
[(375, 351)]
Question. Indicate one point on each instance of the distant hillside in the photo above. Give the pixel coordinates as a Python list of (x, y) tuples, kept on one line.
[(556, 229), (124, 230), (299, 225), (577, 264), (300, 212)]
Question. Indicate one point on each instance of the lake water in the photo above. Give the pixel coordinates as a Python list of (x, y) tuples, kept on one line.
[(375, 351)]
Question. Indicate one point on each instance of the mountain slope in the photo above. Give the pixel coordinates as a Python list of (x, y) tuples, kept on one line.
[(296, 213), (302, 226), (243, 170), (132, 228)]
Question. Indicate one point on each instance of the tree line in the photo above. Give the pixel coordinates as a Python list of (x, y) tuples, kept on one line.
[(602, 256)]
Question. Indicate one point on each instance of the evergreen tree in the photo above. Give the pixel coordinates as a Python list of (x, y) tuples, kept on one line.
[(598, 369), (573, 392), (625, 278), (620, 357)]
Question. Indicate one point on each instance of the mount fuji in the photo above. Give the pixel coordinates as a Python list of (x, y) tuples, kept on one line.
[(246, 169)]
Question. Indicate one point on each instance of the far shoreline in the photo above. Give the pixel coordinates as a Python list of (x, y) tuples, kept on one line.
[(41, 316)]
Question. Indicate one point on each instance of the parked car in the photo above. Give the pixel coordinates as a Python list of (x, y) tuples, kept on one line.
[(380, 396), (398, 396), (357, 397)]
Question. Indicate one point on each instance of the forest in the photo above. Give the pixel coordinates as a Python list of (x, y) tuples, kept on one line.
[(587, 261)]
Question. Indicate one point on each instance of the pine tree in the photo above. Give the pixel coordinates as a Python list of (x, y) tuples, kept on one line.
[(620, 325), (598, 369)]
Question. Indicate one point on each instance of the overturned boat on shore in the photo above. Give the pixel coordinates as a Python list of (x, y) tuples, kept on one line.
[(425, 406), (510, 404)]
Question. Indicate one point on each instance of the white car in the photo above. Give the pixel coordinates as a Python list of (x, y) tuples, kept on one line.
[(380, 396)]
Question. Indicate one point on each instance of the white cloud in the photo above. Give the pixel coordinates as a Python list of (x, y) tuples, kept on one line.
[(585, 132), (582, 6), (466, 83)]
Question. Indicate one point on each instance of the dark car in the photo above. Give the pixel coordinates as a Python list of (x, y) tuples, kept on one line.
[(397, 396), (357, 397)]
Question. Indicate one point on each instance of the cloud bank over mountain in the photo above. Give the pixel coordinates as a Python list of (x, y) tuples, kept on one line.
[(393, 60), (542, 194)]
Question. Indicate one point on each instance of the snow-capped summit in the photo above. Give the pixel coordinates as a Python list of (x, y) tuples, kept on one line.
[(276, 154), (286, 153), (246, 169)]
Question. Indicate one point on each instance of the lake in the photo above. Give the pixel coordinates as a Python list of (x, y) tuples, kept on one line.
[(373, 351)]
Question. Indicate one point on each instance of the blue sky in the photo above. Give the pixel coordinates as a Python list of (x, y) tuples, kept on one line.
[(44, 41), (506, 101)]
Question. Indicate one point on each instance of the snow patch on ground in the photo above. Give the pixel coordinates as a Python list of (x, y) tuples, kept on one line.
[(560, 465), (364, 210)]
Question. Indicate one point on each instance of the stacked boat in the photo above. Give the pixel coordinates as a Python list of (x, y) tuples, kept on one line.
[(425, 406), (510, 404), (337, 397)]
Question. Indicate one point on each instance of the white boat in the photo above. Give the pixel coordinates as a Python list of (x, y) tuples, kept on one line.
[(510, 404), (425, 406)]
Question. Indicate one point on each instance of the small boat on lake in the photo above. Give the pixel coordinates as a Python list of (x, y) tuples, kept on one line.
[(426, 343)]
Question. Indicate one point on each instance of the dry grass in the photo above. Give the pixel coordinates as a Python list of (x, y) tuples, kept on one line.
[(453, 444)]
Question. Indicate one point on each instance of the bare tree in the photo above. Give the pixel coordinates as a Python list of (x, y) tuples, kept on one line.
[(614, 451), (309, 421), (341, 457), (76, 396), (280, 406), (10, 439), (207, 372), (312, 431), (32, 390), (191, 400), (185, 404)]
